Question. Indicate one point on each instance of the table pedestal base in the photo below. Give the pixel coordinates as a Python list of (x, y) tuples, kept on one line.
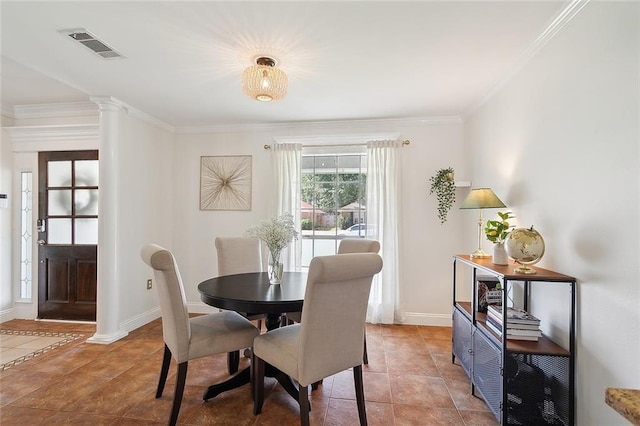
[(244, 377)]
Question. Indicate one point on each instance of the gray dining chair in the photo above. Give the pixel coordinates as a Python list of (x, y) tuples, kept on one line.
[(328, 340), (349, 245), (237, 255), (189, 338)]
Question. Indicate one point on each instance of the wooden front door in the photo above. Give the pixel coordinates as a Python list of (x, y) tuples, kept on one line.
[(67, 235)]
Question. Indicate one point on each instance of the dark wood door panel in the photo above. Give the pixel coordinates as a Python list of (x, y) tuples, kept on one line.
[(68, 266), (74, 271), (86, 273)]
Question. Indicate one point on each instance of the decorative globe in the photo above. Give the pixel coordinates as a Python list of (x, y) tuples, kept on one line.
[(526, 247)]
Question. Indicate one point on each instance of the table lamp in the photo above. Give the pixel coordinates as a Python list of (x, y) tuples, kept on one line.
[(481, 198)]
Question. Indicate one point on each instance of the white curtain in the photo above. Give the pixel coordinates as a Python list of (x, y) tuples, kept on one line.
[(383, 210), (286, 162)]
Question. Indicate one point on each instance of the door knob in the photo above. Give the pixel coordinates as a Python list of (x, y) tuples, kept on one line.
[(41, 242)]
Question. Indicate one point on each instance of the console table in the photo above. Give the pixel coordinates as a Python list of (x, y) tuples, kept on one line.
[(522, 382)]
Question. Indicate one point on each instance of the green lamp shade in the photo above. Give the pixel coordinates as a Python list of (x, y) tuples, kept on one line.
[(482, 198)]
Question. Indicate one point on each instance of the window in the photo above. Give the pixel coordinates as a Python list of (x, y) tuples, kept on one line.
[(333, 201), (26, 218)]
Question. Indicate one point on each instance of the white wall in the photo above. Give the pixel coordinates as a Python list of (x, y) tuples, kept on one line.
[(145, 213), (427, 246), (559, 144), (6, 167)]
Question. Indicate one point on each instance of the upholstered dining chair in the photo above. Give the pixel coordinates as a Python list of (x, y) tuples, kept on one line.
[(329, 337), (189, 338), (237, 255), (350, 245)]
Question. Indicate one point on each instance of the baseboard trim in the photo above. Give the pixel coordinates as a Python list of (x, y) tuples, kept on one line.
[(106, 339), (140, 320), (7, 315), (434, 320)]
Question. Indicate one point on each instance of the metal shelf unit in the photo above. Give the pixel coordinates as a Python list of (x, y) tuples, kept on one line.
[(522, 382)]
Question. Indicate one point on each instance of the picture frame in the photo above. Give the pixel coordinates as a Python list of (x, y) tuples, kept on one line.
[(225, 182)]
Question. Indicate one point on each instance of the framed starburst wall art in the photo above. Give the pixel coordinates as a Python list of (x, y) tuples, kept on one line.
[(225, 183)]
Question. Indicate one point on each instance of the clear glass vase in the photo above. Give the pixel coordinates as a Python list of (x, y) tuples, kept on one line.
[(275, 267)]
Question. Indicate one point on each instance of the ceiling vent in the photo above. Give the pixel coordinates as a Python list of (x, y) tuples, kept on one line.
[(91, 42)]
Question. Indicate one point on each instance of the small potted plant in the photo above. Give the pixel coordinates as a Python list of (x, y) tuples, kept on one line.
[(496, 232), (443, 185)]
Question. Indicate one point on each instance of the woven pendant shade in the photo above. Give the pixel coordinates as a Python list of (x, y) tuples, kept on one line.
[(264, 81)]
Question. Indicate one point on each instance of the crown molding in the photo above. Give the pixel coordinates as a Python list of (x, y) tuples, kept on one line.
[(77, 109), (69, 109), (93, 108), (133, 112), (559, 22), (73, 132), (321, 125), (7, 111)]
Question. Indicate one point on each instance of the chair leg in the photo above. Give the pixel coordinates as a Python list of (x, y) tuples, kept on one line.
[(303, 400), (365, 357), (233, 362), (164, 370), (315, 385), (177, 397), (257, 368), (357, 378)]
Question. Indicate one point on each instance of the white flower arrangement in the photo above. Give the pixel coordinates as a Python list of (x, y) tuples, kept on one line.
[(277, 233)]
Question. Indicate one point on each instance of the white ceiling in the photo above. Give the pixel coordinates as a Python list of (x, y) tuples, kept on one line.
[(345, 60)]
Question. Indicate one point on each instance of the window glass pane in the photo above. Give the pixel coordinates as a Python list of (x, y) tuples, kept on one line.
[(325, 196), (326, 164), (26, 218), (324, 247), (351, 207), (59, 173), (59, 231), (86, 231), (307, 251), (349, 164), (59, 202), (333, 199), (86, 202), (86, 173)]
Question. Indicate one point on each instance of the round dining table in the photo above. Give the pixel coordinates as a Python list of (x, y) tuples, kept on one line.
[(252, 293)]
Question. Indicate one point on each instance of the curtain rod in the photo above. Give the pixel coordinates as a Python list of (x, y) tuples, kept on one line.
[(404, 143)]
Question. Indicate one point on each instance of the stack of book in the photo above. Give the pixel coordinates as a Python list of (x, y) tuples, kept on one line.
[(521, 325)]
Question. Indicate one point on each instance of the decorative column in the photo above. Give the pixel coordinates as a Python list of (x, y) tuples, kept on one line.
[(108, 296)]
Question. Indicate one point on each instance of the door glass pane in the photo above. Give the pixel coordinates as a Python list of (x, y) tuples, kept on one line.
[(59, 231), (59, 173), (87, 173), (26, 216), (59, 202), (86, 201), (86, 231)]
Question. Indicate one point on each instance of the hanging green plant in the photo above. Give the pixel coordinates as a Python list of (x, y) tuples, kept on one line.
[(443, 185)]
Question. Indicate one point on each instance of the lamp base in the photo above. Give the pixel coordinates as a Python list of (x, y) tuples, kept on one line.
[(524, 270), (480, 254)]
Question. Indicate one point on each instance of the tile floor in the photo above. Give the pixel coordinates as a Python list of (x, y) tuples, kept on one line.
[(410, 380), (16, 347)]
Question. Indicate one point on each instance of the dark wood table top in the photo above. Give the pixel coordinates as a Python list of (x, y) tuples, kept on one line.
[(253, 293)]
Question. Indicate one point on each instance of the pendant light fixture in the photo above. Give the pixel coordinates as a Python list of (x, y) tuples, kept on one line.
[(264, 81)]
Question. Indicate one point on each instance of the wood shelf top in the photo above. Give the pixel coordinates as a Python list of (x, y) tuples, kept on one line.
[(544, 346), (625, 402), (507, 271)]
